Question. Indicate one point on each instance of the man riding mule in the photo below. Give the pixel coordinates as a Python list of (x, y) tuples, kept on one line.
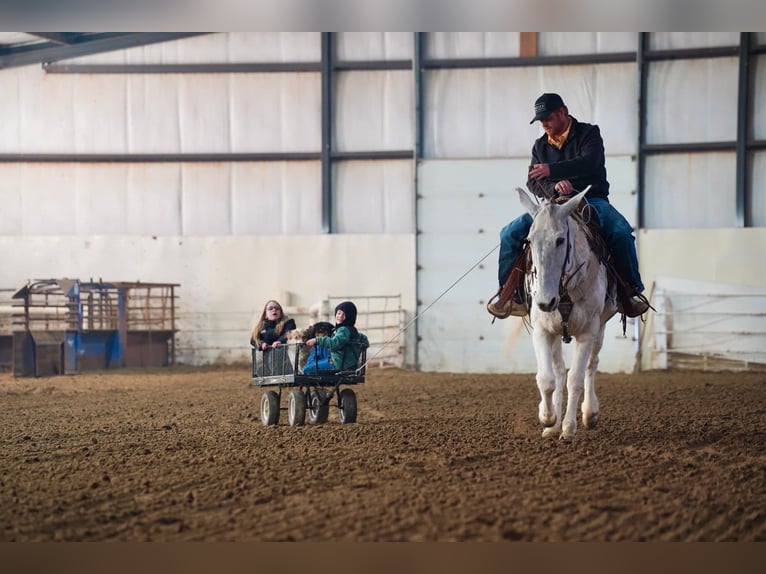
[(568, 158)]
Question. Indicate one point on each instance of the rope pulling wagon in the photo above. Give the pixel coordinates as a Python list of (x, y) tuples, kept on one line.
[(312, 394)]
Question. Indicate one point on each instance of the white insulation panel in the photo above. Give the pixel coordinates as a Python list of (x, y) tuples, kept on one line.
[(387, 203), (692, 101), (690, 190), (374, 111), (473, 44), (506, 44), (758, 190), (169, 113), (485, 113), (569, 43), (260, 198), (688, 40), (223, 48), (759, 111), (353, 46)]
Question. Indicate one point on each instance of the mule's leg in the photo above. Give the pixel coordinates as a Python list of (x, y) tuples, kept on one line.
[(560, 375), (546, 380), (590, 401), (575, 383)]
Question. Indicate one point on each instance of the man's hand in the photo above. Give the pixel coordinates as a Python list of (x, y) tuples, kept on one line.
[(540, 171), (564, 187)]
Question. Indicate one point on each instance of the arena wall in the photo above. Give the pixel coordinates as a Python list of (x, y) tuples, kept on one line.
[(235, 230), (225, 281)]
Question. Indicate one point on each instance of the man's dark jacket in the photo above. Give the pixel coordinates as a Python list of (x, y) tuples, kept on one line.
[(580, 160)]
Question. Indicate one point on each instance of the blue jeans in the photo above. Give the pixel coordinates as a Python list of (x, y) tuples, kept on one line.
[(617, 232)]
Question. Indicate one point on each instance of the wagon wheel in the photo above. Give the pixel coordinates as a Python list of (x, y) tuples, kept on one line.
[(296, 408), (347, 406), (319, 409), (270, 408)]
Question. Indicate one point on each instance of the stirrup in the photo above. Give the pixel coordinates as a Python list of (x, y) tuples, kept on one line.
[(507, 309), (634, 306)]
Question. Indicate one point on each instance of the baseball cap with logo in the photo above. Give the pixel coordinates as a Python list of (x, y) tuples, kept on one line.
[(545, 105)]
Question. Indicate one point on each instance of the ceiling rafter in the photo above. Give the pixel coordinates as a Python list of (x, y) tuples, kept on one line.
[(64, 45), (65, 38)]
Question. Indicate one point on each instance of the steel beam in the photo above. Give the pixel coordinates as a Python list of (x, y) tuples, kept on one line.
[(84, 45)]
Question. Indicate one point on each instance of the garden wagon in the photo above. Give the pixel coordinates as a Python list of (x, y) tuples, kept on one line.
[(310, 394)]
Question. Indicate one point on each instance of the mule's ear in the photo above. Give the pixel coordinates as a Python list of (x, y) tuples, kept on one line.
[(527, 202), (573, 202)]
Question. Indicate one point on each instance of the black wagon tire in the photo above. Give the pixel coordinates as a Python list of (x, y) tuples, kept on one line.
[(296, 408), (270, 408), (319, 409), (347, 406)]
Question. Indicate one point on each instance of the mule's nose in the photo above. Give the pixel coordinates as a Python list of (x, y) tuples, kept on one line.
[(550, 306)]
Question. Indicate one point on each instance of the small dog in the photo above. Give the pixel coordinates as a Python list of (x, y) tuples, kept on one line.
[(322, 328), (295, 336)]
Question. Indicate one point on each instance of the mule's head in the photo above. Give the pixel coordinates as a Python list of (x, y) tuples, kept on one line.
[(549, 240)]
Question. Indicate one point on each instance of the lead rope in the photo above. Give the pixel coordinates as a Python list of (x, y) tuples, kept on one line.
[(403, 329)]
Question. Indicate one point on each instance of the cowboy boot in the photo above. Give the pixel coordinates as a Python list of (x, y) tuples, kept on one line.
[(510, 297), (502, 309), (630, 302)]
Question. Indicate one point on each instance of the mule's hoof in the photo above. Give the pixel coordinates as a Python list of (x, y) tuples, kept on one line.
[(591, 421), (547, 421), (550, 432), (566, 437)]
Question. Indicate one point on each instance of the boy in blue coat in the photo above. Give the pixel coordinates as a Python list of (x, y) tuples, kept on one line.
[(316, 358)]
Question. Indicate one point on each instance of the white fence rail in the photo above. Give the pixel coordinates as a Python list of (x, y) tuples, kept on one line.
[(205, 338), (709, 326), (382, 319)]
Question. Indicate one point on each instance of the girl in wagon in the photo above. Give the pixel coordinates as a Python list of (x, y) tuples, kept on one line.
[(269, 336), (346, 343)]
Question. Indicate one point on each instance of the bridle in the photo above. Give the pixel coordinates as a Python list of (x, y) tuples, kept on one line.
[(565, 301)]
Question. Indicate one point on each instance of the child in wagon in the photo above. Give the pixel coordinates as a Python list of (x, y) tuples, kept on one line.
[(346, 343), (316, 358), (269, 335)]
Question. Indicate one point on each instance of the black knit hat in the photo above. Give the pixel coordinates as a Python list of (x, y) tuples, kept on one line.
[(545, 105), (350, 310)]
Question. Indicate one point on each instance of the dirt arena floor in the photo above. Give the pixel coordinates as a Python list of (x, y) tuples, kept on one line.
[(180, 454)]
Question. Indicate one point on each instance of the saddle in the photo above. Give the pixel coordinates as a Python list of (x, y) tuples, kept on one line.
[(514, 285)]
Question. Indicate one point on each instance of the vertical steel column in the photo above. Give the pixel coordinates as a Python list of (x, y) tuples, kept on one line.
[(743, 211), (172, 325), (642, 66), (419, 46), (326, 99)]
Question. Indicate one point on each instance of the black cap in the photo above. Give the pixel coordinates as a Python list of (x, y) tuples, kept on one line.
[(546, 104)]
